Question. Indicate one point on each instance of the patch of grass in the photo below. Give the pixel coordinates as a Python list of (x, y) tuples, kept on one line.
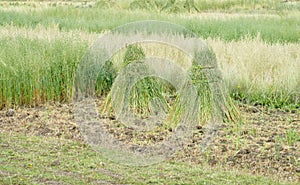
[(194, 6), (34, 71), (105, 79), (277, 28), (255, 72), (37, 160), (291, 136), (260, 73)]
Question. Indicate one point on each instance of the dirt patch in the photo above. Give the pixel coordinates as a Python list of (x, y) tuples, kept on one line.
[(54, 120), (265, 142)]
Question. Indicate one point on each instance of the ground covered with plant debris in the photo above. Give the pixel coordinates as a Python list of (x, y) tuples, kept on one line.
[(265, 142)]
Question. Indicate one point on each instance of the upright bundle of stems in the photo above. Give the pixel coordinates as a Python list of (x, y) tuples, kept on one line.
[(213, 99)]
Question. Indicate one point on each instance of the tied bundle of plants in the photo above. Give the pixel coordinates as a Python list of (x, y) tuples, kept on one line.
[(213, 101), (148, 94), (145, 90)]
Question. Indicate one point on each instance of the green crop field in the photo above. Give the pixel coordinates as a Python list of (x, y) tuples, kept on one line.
[(255, 44)]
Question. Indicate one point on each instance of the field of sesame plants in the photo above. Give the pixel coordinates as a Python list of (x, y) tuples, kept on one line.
[(240, 104)]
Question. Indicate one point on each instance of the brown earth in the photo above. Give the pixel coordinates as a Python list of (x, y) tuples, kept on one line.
[(266, 142)]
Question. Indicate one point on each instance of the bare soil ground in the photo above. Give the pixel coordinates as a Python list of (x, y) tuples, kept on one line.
[(266, 142)]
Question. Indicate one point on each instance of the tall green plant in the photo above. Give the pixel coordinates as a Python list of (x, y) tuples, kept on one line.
[(105, 79), (34, 71)]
